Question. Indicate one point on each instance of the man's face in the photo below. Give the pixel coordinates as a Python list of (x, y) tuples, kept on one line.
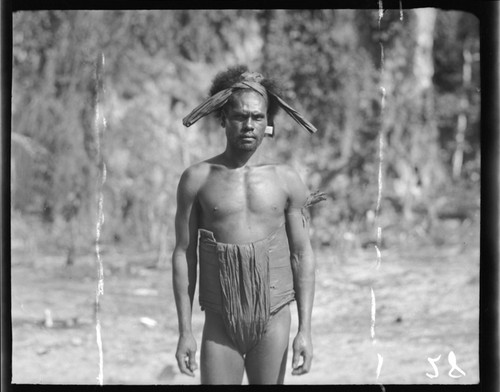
[(245, 120)]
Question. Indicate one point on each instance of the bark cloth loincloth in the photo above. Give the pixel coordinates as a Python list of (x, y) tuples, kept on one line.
[(246, 284)]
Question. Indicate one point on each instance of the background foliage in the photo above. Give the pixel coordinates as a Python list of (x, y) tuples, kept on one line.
[(109, 88)]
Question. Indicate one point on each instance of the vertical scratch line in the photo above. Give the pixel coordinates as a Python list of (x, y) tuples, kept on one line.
[(380, 363), (379, 257), (380, 190), (100, 377), (377, 247), (380, 172), (382, 57), (380, 182), (100, 127), (373, 314), (400, 10), (380, 11)]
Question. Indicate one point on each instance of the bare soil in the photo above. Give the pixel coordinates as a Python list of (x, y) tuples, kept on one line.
[(426, 303)]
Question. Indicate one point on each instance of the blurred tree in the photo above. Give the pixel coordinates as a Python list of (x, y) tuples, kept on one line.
[(359, 78), (457, 82), (158, 66), (413, 154), (329, 75), (151, 77)]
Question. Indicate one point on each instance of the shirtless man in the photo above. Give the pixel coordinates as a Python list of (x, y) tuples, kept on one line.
[(228, 207)]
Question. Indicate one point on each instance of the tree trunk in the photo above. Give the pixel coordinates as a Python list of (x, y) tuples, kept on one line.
[(423, 65), (424, 149), (458, 155)]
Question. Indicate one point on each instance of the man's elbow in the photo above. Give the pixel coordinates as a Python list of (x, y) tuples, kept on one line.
[(183, 257), (178, 251), (303, 258)]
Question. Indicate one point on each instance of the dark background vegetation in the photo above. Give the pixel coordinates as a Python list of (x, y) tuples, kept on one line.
[(104, 92), (157, 67)]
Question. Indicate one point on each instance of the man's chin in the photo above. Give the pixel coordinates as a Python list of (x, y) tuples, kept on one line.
[(247, 146)]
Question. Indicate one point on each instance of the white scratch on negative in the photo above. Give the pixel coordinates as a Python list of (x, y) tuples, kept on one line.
[(380, 173), (380, 189), (100, 282), (100, 377), (382, 58), (380, 363), (100, 127), (377, 247), (382, 89), (379, 257), (373, 313), (100, 222), (400, 11), (380, 11)]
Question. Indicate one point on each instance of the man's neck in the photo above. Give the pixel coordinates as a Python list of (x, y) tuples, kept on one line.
[(237, 159)]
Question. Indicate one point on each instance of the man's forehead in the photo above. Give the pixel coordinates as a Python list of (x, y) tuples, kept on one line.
[(247, 99)]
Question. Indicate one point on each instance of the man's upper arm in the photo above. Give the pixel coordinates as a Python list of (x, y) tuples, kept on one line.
[(186, 222), (296, 213)]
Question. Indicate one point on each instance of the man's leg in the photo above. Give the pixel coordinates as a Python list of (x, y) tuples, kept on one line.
[(266, 362), (220, 361)]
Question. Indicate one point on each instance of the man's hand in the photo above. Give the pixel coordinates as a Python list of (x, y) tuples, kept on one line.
[(186, 354), (302, 347)]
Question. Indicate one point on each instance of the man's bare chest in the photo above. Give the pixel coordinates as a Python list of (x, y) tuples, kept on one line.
[(248, 190)]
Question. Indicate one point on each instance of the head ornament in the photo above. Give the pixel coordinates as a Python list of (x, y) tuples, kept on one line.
[(249, 80)]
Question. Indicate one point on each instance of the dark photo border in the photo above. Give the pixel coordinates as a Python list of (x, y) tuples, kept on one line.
[(488, 13)]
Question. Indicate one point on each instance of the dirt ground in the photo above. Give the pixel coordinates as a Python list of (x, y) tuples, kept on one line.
[(426, 305)]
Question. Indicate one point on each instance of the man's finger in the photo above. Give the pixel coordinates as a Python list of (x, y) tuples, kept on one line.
[(183, 364), (307, 362), (296, 366), (192, 361), (304, 367), (296, 358), (186, 369), (300, 370)]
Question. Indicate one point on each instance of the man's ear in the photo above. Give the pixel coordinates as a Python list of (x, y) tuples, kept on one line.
[(269, 131), (222, 119)]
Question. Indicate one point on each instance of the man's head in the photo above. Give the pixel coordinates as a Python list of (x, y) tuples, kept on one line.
[(244, 117), (233, 75), (235, 79)]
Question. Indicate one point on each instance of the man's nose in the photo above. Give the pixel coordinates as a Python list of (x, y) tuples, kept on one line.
[(248, 124)]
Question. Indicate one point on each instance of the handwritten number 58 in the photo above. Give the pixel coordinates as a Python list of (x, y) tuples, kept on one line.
[(452, 360)]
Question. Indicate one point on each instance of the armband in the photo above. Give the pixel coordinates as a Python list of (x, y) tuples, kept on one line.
[(311, 200)]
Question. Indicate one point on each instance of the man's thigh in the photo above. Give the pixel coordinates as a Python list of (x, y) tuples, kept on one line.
[(266, 362), (220, 361)]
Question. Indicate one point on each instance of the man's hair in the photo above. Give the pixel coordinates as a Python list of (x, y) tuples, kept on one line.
[(232, 75)]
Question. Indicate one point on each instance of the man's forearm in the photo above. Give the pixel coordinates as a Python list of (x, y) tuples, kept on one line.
[(303, 267), (184, 282)]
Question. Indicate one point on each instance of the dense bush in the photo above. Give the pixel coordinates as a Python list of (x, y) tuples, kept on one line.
[(95, 90)]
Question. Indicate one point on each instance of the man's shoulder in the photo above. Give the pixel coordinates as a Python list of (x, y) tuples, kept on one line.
[(292, 181), (197, 169), (287, 172), (194, 176)]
